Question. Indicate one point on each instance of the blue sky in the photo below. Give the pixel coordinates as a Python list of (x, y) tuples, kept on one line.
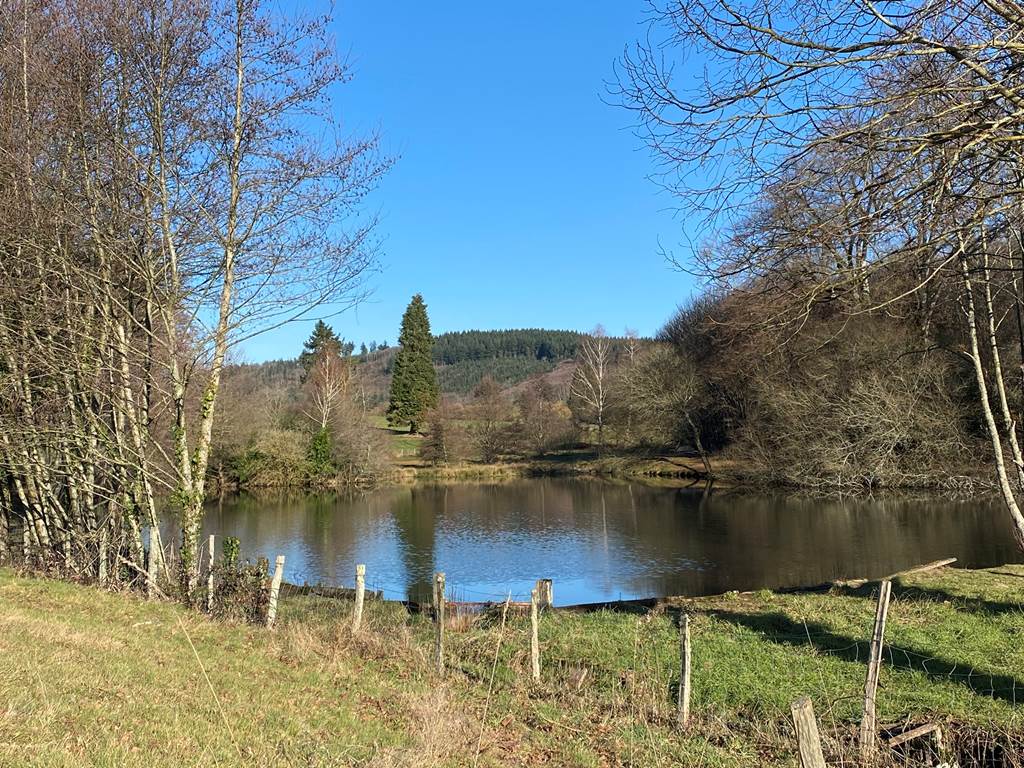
[(519, 197)]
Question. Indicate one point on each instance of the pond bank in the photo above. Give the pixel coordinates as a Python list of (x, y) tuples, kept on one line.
[(78, 661), (687, 470)]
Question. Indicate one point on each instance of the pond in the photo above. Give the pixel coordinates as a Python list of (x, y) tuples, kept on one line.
[(601, 540)]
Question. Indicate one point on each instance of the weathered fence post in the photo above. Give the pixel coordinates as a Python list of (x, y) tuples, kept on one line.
[(275, 587), (545, 593), (868, 726), (439, 610), (154, 546), (534, 637), (684, 670), (807, 738), (209, 579), (101, 574), (357, 614)]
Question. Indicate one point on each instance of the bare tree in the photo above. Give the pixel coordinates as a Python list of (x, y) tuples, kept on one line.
[(327, 386), (173, 183), (840, 147), (591, 382), (632, 344), (662, 390)]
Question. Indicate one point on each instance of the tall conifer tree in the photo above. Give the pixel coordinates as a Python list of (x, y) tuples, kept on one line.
[(414, 381)]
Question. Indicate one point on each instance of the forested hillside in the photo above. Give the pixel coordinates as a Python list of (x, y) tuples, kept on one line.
[(462, 358), (530, 343)]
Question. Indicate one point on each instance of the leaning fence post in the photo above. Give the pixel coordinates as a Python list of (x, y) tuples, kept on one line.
[(275, 587), (209, 579), (439, 606), (154, 546), (807, 738), (357, 614), (102, 572), (868, 727), (534, 637), (684, 670)]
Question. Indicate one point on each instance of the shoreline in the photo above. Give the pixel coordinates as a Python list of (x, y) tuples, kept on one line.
[(676, 471)]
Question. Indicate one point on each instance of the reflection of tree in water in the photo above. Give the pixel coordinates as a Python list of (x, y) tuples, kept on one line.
[(744, 541), (415, 516), (609, 538), (658, 541), (316, 532)]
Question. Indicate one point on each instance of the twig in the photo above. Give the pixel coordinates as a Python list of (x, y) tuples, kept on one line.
[(213, 692), (145, 575), (490, 685)]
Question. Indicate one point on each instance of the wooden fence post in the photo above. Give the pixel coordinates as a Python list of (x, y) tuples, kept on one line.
[(439, 611), (357, 614), (545, 593), (684, 670), (275, 587), (101, 574), (209, 579), (534, 637), (807, 738), (868, 725), (154, 546)]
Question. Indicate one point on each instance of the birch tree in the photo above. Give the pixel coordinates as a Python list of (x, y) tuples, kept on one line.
[(591, 382), (174, 182)]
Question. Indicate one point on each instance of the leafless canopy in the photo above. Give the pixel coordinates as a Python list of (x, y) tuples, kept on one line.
[(853, 157), (173, 181)]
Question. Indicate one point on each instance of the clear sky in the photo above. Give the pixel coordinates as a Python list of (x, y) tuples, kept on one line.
[(519, 196)]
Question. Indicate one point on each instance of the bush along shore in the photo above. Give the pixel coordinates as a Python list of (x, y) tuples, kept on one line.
[(339, 677)]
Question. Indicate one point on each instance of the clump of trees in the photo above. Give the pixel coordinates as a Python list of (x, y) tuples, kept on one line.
[(309, 428), (866, 200), (162, 200)]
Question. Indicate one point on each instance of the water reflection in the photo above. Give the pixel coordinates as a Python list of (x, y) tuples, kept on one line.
[(602, 541)]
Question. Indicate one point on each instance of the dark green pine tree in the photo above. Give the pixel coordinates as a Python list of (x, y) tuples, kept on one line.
[(322, 337), (413, 380)]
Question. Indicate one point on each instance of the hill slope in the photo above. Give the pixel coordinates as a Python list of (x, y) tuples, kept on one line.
[(462, 359)]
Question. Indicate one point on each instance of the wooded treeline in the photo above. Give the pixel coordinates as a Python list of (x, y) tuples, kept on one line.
[(537, 343), (861, 167), (163, 198)]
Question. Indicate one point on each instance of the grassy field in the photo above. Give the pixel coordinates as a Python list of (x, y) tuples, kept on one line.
[(89, 678)]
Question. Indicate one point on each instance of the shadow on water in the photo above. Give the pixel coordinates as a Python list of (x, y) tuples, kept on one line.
[(415, 524)]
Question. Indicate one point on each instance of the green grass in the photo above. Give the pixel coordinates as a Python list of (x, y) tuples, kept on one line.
[(88, 678)]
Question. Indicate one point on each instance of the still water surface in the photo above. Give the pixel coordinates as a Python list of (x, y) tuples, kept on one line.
[(600, 540)]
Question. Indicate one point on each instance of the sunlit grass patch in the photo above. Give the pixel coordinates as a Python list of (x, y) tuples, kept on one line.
[(98, 679)]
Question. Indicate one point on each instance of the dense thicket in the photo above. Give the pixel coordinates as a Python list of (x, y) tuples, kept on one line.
[(866, 202), (161, 198), (282, 426)]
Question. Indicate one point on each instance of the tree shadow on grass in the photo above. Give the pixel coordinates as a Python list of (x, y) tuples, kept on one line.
[(967, 604), (782, 630)]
